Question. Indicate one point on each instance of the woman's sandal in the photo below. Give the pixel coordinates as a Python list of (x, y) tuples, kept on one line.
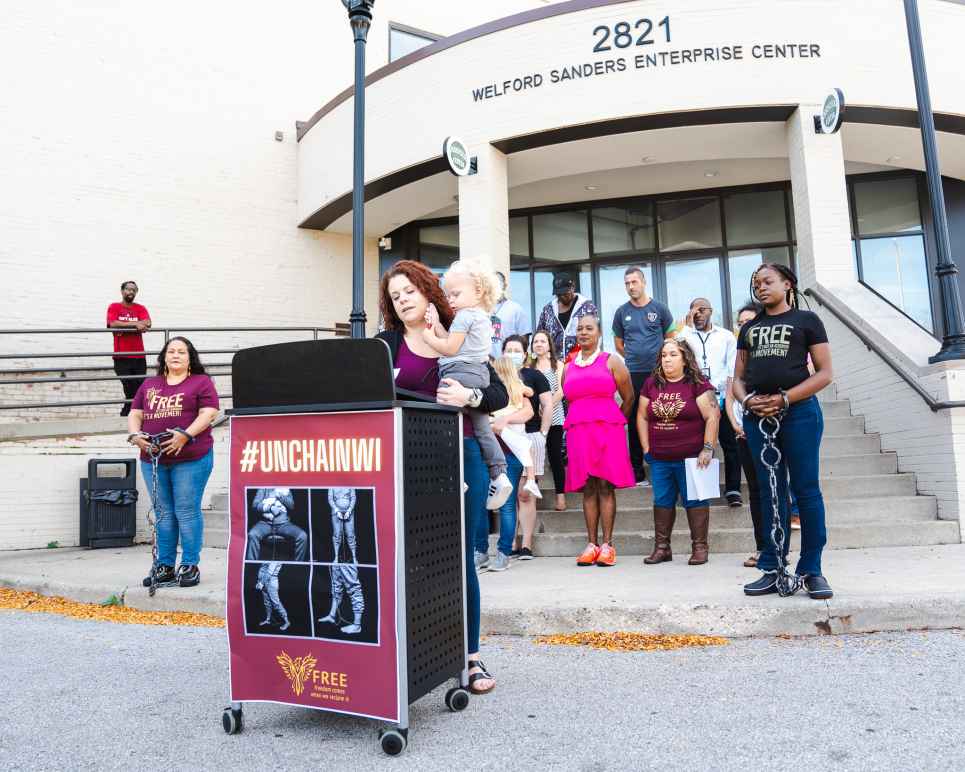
[(482, 675)]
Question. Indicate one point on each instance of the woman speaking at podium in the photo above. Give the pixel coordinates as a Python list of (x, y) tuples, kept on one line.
[(405, 292)]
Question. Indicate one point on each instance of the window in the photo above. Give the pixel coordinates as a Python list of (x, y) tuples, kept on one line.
[(742, 263), (561, 236), (690, 279), (887, 206), (755, 218), (405, 40), (518, 237), (439, 246), (623, 230), (613, 294), (594, 243), (889, 244), (896, 268), (690, 223)]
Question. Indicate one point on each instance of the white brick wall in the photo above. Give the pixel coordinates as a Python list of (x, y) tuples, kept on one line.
[(39, 500), (138, 142), (930, 444)]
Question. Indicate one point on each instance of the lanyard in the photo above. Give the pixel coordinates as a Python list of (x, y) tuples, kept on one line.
[(703, 343)]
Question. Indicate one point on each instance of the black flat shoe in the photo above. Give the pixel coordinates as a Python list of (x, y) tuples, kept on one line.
[(766, 585), (734, 500), (818, 587)]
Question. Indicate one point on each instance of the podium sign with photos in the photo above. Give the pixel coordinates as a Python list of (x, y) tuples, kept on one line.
[(346, 552), (313, 551)]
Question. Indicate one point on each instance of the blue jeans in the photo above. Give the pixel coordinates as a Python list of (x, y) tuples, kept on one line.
[(178, 507), (800, 444), (507, 512), (476, 475), (669, 481)]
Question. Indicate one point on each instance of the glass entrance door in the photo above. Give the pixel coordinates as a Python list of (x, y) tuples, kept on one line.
[(613, 294), (697, 277)]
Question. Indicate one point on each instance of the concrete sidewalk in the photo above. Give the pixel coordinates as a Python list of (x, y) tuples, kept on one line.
[(876, 589)]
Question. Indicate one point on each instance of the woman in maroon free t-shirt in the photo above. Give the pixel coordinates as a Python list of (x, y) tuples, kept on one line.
[(677, 418), (182, 401)]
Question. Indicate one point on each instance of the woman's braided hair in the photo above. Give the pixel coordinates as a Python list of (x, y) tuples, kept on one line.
[(792, 295)]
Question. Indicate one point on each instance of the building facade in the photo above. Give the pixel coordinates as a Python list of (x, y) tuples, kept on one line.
[(206, 152)]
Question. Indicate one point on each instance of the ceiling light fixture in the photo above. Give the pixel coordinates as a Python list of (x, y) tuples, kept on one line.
[(591, 187), (647, 159), (711, 173), (892, 159)]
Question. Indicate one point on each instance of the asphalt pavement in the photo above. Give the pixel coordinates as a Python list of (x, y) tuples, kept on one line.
[(92, 695)]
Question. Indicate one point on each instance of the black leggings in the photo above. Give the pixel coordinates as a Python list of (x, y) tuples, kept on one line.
[(554, 451)]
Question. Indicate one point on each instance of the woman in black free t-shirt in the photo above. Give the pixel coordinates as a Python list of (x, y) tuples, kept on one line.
[(772, 378)]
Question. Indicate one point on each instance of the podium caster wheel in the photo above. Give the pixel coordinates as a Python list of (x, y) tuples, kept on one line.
[(457, 699), (231, 721), (393, 741)]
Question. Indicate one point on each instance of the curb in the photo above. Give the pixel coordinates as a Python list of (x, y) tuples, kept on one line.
[(765, 617)]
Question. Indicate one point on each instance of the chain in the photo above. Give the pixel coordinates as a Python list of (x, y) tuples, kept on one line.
[(788, 583), (154, 452)]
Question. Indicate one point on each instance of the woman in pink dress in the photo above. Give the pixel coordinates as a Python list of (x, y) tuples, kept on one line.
[(596, 439)]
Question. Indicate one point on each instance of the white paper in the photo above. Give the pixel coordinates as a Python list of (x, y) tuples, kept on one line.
[(395, 372), (702, 483)]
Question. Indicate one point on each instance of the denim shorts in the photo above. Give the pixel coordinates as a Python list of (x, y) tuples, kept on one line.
[(669, 481)]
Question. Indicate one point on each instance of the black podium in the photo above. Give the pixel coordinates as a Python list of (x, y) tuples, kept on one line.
[(365, 483)]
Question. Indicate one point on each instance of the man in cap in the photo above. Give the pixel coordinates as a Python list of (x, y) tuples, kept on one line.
[(560, 315)]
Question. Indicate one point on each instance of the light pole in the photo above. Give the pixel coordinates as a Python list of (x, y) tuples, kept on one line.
[(360, 18), (953, 342)]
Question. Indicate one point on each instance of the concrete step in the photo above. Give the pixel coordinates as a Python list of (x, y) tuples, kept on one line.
[(849, 445), (741, 540), (840, 511), (831, 487), (840, 408), (843, 427)]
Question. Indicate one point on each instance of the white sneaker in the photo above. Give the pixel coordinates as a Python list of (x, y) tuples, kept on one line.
[(532, 488), (500, 562), (481, 560), (499, 491)]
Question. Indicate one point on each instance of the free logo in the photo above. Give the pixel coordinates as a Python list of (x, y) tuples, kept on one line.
[(297, 670), (667, 407), (651, 316), (628, 319)]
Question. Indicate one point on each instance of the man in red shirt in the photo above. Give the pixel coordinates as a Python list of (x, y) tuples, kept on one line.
[(130, 319)]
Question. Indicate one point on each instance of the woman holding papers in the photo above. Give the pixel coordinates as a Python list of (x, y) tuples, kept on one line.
[(677, 419)]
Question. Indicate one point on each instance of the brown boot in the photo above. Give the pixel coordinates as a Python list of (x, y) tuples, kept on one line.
[(699, 519), (663, 519)]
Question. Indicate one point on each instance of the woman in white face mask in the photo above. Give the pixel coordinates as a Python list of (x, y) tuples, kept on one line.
[(536, 429)]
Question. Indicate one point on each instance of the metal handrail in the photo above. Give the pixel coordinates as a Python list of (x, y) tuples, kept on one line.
[(338, 330), (81, 369), (934, 404)]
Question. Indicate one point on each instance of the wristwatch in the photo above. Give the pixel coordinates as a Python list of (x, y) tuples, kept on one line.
[(475, 399)]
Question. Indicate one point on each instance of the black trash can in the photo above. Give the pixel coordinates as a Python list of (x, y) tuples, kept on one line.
[(108, 505)]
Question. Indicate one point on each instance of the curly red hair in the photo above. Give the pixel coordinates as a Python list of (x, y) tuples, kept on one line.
[(423, 280)]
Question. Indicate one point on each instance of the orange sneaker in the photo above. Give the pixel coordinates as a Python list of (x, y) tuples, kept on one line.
[(589, 555), (607, 556)]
